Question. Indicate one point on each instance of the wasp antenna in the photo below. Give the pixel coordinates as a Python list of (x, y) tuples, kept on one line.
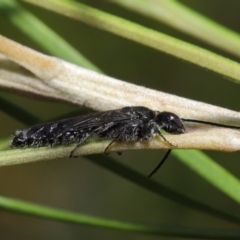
[(210, 123)]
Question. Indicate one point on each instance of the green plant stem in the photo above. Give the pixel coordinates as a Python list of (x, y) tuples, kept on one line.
[(143, 35), (179, 16), (120, 169), (211, 172), (69, 217), (42, 34)]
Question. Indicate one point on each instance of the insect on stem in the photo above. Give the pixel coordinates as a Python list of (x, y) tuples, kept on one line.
[(127, 124)]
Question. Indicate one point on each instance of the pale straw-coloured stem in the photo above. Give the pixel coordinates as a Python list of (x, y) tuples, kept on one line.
[(36, 73)]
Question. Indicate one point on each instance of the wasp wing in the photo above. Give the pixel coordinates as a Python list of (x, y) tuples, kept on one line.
[(96, 120), (73, 129)]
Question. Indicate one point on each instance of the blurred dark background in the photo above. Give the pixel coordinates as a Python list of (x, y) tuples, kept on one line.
[(81, 186)]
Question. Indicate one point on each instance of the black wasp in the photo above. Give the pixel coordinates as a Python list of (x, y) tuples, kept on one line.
[(123, 125), (126, 125)]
